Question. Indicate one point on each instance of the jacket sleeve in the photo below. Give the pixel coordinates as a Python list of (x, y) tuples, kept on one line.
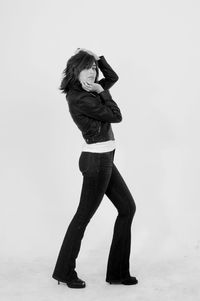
[(91, 106), (110, 77)]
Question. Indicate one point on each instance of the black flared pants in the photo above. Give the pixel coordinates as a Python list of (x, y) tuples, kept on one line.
[(100, 176)]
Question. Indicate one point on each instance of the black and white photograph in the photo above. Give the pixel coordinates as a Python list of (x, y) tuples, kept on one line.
[(99, 141)]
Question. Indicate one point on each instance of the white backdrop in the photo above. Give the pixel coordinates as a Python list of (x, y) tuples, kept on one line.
[(154, 46)]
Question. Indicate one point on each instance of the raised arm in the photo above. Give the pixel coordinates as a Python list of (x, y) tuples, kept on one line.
[(110, 76)]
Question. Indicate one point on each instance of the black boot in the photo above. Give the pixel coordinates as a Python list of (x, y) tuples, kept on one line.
[(126, 281), (73, 283)]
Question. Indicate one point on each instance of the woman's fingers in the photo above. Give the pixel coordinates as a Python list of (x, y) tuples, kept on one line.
[(77, 50), (88, 51), (86, 86)]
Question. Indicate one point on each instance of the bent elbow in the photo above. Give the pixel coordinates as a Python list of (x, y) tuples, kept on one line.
[(120, 118), (115, 78), (117, 119)]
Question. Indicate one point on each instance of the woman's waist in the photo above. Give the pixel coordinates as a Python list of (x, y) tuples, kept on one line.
[(99, 147)]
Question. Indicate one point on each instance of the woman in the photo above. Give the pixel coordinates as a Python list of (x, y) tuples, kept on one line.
[(93, 110)]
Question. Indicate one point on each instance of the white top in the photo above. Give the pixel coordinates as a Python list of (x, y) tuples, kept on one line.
[(99, 147)]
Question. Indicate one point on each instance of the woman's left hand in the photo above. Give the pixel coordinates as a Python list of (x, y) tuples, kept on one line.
[(88, 51), (92, 87)]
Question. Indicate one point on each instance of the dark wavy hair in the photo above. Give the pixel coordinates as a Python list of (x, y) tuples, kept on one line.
[(78, 62)]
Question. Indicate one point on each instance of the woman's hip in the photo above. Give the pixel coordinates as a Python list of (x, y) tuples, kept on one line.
[(91, 162)]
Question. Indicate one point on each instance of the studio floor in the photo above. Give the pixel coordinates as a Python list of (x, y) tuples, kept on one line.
[(173, 279)]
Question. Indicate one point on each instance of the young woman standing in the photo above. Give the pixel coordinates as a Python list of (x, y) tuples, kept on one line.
[(93, 110)]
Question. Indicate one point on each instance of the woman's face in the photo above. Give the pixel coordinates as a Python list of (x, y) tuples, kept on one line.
[(88, 75)]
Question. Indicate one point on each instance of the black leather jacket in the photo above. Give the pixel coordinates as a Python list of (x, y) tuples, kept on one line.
[(93, 113)]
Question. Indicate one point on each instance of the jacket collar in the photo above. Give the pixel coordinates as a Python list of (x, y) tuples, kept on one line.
[(76, 86)]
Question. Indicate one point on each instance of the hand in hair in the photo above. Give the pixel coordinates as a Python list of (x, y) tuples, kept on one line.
[(92, 87), (88, 51)]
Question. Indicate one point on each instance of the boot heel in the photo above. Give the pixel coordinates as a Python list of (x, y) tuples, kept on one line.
[(74, 283)]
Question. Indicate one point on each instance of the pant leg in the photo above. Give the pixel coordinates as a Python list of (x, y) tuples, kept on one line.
[(119, 194), (96, 169)]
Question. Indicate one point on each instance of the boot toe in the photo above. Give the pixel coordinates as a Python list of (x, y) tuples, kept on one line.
[(127, 281), (76, 283), (130, 281)]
